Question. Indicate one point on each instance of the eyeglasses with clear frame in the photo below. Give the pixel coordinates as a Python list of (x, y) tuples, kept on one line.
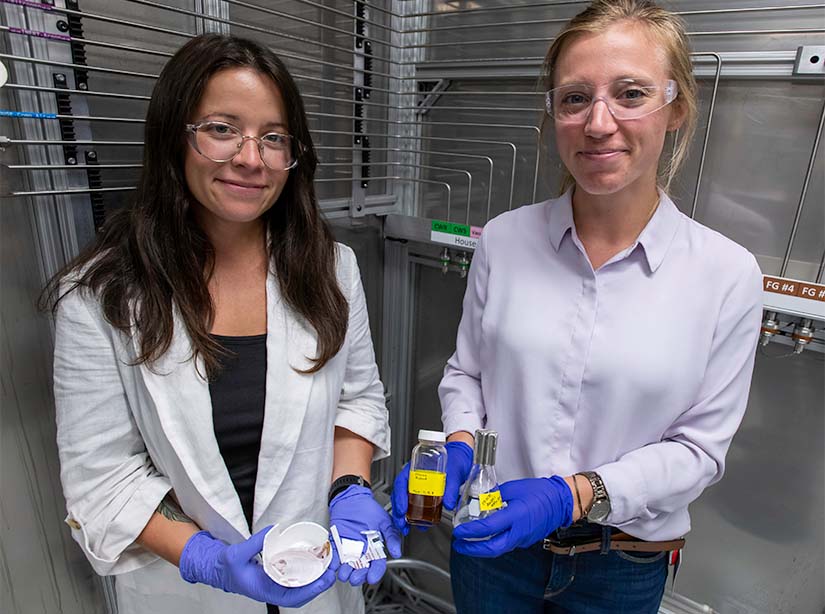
[(626, 99), (221, 142)]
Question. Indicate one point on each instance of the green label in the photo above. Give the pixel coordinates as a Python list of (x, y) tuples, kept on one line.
[(451, 228)]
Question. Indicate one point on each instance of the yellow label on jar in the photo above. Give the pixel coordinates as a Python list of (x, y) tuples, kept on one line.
[(489, 501), (428, 483)]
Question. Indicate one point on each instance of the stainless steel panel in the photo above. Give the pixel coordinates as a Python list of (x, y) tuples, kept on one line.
[(41, 569), (757, 544)]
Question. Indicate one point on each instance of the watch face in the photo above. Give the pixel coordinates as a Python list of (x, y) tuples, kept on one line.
[(599, 511)]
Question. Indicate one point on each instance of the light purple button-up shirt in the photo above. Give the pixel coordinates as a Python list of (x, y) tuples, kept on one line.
[(639, 370)]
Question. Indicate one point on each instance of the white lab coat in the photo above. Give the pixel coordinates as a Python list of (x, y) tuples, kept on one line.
[(128, 434)]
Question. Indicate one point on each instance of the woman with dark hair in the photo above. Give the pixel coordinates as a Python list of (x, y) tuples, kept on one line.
[(214, 372)]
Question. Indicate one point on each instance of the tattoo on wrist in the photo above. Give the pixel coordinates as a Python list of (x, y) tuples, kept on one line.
[(168, 508)]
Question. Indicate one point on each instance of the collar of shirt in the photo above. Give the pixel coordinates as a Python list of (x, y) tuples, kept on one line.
[(655, 239)]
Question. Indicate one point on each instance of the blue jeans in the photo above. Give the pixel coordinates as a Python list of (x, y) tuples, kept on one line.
[(535, 581)]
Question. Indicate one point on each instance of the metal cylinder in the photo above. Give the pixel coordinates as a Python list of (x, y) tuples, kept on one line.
[(770, 327), (802, 335), (485, 447)]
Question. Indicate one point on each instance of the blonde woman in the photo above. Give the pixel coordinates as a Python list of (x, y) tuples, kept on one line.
[(608, 338)]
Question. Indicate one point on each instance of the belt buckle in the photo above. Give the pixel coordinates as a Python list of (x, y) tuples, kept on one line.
[(547, 542)]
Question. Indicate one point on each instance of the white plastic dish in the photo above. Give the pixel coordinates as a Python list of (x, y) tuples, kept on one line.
[(297, 555)]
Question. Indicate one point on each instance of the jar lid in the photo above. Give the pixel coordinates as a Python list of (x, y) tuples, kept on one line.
[(437, 436)]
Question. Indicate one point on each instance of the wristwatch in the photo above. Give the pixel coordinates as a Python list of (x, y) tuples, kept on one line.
[(344, 482), (600, 508)]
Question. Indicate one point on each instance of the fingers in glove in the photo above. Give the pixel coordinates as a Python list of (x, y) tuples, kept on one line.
[(335, 563), (344, 572), (491, 548), (401, 524), (249, 549), (358, 577), (502, 520), (376, 571), (452, 490), (400, 501), (297, 597), (399, 491), (512, 489), (392, 538), (451, 496), (460, 460)]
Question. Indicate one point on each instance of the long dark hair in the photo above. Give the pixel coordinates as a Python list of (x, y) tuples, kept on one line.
[(151, 257)]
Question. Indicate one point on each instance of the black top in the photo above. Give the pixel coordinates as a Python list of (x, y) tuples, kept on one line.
[(238, 394)]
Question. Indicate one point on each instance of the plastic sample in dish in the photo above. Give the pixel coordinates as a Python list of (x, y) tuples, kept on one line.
[(298, 555)]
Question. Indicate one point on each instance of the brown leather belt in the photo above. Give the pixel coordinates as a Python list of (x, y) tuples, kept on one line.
[(618, 541)]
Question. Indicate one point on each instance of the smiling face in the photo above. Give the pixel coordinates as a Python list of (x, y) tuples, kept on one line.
[(241, 190), (606, 155)]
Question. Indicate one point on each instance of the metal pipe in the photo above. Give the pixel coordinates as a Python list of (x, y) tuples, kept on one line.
[(481, 125), (254, 28), (400, 123), (485, 9), (146, 75), (157, 5), (262, 9), (345, 14), (408, 563), (707, 132), (438, 168), (5, 141), (57, 90), (279, 52), (436, 153), (821, 269), (49, 167), (778, 31), (288, 16), (96, 118), (477, 93), (801, 204), (437, 107), (412, 180), (87, 41), (114, 71), (511, 41), (422, 594), (440, 138), (538, 60), (749, 9), (67, 192), (366, 103), (96, 43)]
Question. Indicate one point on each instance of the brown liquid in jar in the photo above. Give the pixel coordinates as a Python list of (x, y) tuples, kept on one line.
[(423, 510)]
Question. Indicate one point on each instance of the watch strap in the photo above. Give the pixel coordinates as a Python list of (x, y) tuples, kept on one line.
[(344, 482), (599, 489)]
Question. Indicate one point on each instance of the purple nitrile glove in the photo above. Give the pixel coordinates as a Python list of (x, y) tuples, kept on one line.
[(535, 508), (459, 463), (355, 510), (235, 569)]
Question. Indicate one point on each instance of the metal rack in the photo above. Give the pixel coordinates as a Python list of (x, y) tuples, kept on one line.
[(423, 113)]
